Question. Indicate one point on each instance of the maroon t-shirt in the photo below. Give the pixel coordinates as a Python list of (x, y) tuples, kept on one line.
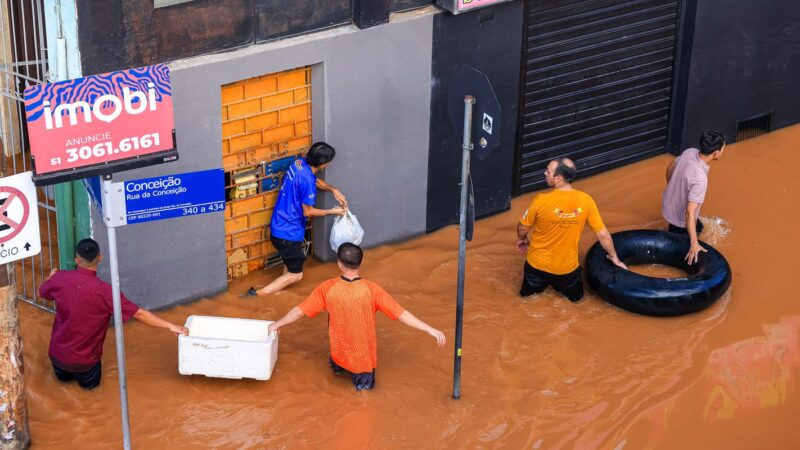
[(84, 307)]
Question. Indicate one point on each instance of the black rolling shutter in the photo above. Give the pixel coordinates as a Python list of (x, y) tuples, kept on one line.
[(597, 84)]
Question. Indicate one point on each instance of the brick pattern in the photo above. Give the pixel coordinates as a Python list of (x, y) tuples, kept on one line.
[(263, 119)]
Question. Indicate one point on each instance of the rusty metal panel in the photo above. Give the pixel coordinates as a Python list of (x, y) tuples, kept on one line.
[(279, 18), (199, 27), (405, 5)]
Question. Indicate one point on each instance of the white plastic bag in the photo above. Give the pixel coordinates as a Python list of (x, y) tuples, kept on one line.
[(346, 229)]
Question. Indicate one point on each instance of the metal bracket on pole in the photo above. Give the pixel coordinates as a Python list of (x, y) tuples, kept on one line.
[(466, 148), (107, 188), (113, 199)]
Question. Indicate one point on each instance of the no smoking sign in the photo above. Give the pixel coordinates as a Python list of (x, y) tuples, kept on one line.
[(19, 218)]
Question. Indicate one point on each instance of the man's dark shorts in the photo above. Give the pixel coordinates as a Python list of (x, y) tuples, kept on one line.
[(361, 381), (674, 229), (89, 379), (291, 252), (534, 281)]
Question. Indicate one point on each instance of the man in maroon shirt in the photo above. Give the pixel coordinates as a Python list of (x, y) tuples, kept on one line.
[(84, 308)]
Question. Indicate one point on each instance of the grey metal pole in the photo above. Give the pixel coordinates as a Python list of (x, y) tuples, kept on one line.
[(466, 148), (115, 292)]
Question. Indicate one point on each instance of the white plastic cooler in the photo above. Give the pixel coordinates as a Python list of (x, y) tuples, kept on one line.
[(225, 347)]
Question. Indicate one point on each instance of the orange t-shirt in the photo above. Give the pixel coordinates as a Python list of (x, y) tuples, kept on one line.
[(558, 218), (351, 307)]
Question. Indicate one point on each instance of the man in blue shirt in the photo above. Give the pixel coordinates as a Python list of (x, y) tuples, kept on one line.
[(295, 203)]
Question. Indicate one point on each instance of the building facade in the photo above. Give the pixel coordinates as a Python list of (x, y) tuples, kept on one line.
[(255, 82)]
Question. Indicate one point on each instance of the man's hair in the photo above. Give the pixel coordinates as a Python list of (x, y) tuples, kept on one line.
[(350, 255), (566, 169), (320, 153), (87, 249), (711, 141)]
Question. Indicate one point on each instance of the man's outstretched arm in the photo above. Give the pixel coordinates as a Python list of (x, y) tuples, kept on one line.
[(292, 316), (148, 318), (411, 320)]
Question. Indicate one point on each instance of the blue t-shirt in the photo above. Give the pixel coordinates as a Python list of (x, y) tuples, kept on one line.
[(298, 187)]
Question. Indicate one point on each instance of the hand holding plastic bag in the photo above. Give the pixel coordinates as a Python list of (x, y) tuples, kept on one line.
[(346, 229)]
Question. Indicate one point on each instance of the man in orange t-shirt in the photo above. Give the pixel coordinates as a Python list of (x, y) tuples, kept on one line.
[(557, 219), (351, 303)]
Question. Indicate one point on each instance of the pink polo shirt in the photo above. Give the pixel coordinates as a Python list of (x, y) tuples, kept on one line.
[(688, 184)]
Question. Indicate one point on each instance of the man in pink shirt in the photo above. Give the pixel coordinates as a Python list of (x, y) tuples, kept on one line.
[(84, 308), (687, 182)]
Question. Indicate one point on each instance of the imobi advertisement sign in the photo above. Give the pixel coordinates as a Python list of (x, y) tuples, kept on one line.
[(460, 6), (104, 123)]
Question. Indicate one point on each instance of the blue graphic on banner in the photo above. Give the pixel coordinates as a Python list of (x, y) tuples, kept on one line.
[(179, 195), (91, 87)]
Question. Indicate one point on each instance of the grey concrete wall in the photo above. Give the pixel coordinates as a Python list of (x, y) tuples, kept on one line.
[(371, 101)]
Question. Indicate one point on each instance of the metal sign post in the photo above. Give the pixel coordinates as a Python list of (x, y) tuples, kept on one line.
[(107, 187), (466, 148), (144, 200)]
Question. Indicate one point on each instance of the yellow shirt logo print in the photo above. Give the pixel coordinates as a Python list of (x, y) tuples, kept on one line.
[(568, 215)]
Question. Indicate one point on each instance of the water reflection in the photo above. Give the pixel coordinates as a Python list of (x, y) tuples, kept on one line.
[(754, 373)]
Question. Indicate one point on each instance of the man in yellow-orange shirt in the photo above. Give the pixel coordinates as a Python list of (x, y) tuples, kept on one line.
[(557, 219)]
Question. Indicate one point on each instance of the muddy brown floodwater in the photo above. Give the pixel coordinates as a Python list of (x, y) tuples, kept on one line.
[(538, 373)]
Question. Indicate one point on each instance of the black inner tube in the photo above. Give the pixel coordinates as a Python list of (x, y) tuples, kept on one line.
[(708, 279)]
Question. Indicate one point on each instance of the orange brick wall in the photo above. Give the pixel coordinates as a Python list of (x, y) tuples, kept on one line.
[(263, 119)]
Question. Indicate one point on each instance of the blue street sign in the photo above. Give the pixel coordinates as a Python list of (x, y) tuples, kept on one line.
[(179, 195)]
